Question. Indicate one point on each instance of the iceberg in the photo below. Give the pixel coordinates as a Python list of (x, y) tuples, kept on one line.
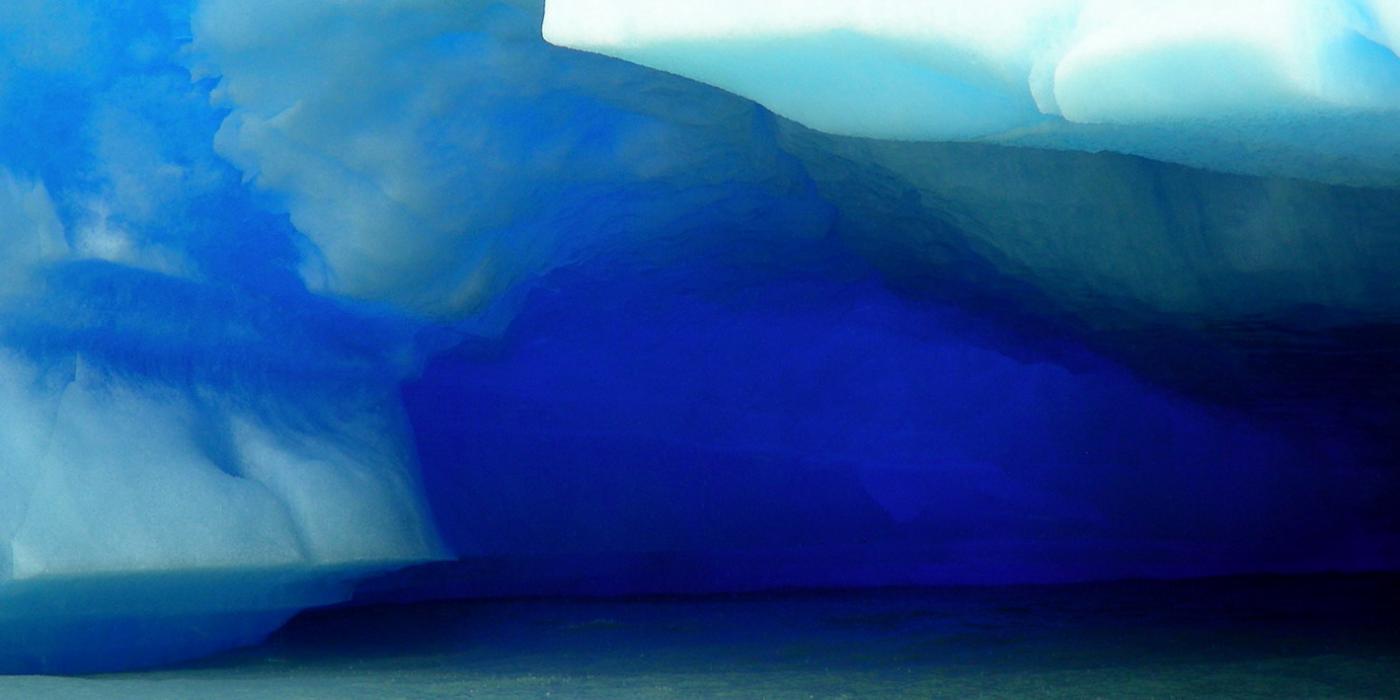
[(615, 297)]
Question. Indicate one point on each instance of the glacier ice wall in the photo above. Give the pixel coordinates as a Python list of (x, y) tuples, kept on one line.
[(289, 290)]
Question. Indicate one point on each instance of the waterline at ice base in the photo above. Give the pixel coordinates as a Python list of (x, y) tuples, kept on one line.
[(331, 303)]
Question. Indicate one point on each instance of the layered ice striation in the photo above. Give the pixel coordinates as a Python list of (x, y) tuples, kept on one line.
[(1019, 291)]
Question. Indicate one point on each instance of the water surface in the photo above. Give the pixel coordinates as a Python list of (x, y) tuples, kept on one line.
[(1304, 636)]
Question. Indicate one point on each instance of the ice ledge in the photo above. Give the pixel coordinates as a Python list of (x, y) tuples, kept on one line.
[(1298, 88), (54, 624)]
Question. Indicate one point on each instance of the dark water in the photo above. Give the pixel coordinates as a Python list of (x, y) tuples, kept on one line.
[(1301, 636)]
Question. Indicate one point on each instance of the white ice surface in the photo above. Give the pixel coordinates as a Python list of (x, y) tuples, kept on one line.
[(1305, 88)]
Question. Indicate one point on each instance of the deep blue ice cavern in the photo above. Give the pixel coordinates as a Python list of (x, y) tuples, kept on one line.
[(616, 297)]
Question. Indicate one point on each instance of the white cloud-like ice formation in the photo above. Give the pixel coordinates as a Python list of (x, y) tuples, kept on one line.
[(1294, 87), (1288, 94)]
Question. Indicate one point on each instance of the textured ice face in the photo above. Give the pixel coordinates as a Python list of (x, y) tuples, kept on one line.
[(1297, 88), (1109, 237), (116, 476), (192, 446), (438, 154), (450, 158), (182, 470), (30, 232)]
